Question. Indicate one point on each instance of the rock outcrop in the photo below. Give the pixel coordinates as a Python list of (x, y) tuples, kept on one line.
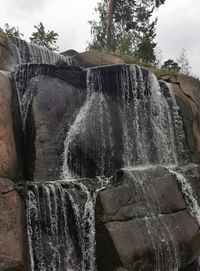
[(145, 209), (8, 149), (51, 112), (13, 242), (95, 58), (187, 91), (101, 120)]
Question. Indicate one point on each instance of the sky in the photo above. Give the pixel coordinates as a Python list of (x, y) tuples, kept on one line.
[(178, 24)]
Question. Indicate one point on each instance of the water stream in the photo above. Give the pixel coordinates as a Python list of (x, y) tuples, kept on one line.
[(61, 214)]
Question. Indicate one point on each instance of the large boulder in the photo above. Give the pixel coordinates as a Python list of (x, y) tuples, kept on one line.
[(143, 221), (53, 105), (13, 239)]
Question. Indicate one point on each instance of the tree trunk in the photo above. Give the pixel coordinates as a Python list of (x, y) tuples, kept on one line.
[(110, 22)]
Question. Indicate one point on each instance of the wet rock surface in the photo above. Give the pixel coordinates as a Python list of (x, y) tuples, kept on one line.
[(143, 222), (51, 112), (187, 91), (145, 209)]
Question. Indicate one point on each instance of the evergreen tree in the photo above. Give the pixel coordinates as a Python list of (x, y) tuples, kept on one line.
[(132, 30), (46, 39), (145, 32)]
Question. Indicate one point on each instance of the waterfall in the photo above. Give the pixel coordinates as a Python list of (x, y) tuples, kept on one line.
[(61, 225), (26, 75), (93, 122), (32, 53), (51, 239), (164, 244), (26, 78), (189, 195), (61, 214), (149, 121), (147, 115)]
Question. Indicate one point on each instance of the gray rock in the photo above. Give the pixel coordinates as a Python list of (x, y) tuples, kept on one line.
[(13, 238), (52, 110), (143, 222)]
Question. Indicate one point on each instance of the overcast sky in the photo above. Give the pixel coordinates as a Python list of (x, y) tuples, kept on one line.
[(178, 24)]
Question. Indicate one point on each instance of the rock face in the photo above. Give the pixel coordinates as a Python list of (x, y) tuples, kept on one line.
[(13, 243), (8, 151), (187, 91), (188, 97), (7, 55), (143, 211), (53, 106), (99, 122), (143, 220), (95, 58)]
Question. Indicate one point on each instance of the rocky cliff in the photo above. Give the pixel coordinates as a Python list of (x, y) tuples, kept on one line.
[(107, 121)]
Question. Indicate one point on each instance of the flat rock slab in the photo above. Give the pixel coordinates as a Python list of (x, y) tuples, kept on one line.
[(166, 240), (143, 222), (139, 194)]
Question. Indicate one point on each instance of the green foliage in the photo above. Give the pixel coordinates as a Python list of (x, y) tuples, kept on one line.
[(133, 32), (12, 32), (44, 38), (145, 51), (171, 65), (99, 28), (159, 2)]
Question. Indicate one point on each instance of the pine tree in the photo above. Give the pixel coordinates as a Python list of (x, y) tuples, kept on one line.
[(145, 32), (46, 39), (131, 29)]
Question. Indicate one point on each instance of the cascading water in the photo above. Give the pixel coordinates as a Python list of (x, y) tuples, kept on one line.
[(150, 133), (150, 130), (149, 127), (32, 53), (189, 195), (26, 77), (61, 226), (165, 246), (26, 74)]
